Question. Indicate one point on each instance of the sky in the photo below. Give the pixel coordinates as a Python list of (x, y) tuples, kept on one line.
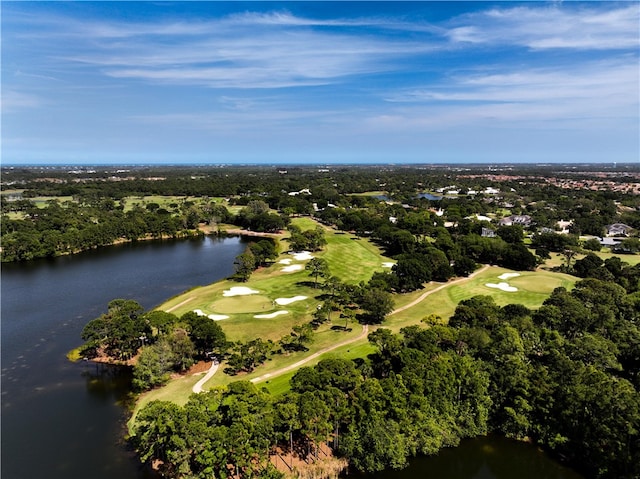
[(320, 82)]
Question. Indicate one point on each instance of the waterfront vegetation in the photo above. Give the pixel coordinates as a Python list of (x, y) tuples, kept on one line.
[(404, 328)]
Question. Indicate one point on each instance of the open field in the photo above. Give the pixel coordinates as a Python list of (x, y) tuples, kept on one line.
[(162, 201), (41, 201)]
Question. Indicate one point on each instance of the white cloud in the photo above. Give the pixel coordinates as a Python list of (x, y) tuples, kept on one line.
[(14, 100), (555, 26)]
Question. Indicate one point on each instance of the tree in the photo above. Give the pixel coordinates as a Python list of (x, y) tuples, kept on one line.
[(317, 267), (511, 234), (244, 264), (592, 244), (464, 266), (377, 304), (206, 334), (412, 271), (117, 333)]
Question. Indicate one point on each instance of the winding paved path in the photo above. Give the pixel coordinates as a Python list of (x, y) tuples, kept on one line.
[(365, 329), (424, 295), (197, 387), (278, 372)]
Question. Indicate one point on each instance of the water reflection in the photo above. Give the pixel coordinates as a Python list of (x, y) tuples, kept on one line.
[(490, 457)]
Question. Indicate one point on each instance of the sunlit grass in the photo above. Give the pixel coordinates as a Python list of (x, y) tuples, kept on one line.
[(533, 288)]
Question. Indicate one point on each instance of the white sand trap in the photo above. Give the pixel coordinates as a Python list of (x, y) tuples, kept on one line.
[(239, 291), (302, 256), (284, 301), (215, 317), (508, 275), (285, 261), (272, 315), (502, 286), (293, 267), (388, 264)]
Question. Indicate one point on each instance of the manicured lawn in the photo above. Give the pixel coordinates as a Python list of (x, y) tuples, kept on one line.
[(41, 201), (558, 260), (631, 259), (352, 260), (162, 201), (533, 288)]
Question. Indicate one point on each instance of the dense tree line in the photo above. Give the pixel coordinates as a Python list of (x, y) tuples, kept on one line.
[(565, 376), (72, 227), (96, 215)]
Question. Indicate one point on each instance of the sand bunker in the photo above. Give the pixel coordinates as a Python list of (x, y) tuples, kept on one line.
[(508, 275), (271, 315), (502, 286), (239, 291), (293, 267), (285, 261), (215, 317), (302, 256), (284, 301), (388, 264)]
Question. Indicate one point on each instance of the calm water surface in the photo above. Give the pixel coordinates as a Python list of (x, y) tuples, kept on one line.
[(488, 457), (65, 420), (62, 420)]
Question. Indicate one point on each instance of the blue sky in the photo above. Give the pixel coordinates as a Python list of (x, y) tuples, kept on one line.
[(320, 82)]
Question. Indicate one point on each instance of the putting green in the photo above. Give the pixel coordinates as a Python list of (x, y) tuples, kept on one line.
[(242, 304)]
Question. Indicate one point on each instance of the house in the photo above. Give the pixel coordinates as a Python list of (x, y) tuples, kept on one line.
[(522, 220), (618, 229), (609, 242), (488, 233), (564, 226)]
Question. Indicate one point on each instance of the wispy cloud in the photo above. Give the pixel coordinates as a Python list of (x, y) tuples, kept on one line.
[(14, 100), (554, 26)]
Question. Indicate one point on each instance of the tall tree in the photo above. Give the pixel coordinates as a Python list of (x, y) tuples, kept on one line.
[(317, 267)]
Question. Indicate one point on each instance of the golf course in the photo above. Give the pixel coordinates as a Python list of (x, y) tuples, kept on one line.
[(278, 297)]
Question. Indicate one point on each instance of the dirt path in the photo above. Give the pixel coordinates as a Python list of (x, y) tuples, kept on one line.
[(278, 372), (197, 387), (424, 295)]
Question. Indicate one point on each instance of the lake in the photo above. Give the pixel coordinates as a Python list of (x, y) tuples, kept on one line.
[(490, 457), (63, 420)]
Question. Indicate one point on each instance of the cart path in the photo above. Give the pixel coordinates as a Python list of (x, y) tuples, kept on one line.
[(424, 295), (179, 304), (197, 387), (365, 330), (296, 365)]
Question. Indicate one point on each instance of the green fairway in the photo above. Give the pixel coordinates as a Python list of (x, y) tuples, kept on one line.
[(352, 260), (533, 287), (242, 304)]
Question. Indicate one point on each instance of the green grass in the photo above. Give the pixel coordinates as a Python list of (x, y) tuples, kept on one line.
[(369, 193), (533, 288), (162, 201), (243, 304), (352, 260), (558, 260), (41, 201), (631, 259)]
